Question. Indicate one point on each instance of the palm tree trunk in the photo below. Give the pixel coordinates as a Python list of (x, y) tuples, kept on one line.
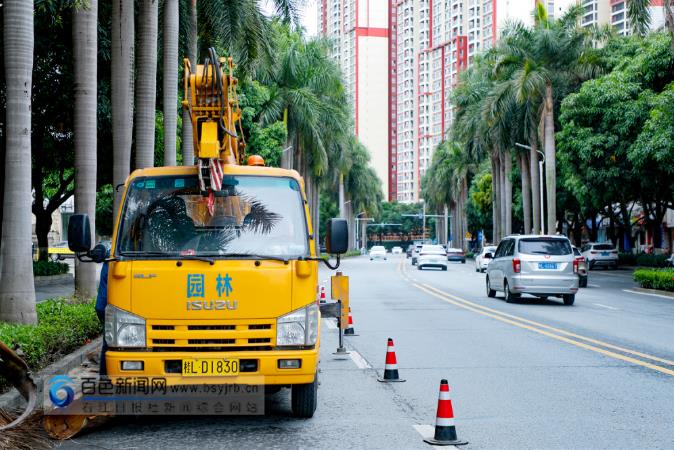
[(342, 205), (187, 142), (496, 196), (146, 86), (464, 216), (287, 155), (526, 191), (535, 191), (455, 219), (17, 290), (85, 33), (550, 161), (170, 77), (502, 190), (122, 43), (508, 193)]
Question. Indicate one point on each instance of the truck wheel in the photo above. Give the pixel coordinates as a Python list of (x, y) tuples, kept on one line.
[(304, 399), (569, 299)]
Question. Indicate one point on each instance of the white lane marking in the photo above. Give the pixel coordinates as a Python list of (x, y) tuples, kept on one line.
[(359, 360), (646, 293), (607, 307), (425, 431), (614, 275), (331, 324), (594, 285)]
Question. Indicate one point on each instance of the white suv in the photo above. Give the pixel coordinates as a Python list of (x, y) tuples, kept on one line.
[(604, 254), (543, 266)]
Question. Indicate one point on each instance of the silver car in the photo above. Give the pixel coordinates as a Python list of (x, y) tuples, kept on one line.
[(543, 266), (432, 256)]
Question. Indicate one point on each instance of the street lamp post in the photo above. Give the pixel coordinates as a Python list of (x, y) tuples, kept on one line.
[(540, 179)]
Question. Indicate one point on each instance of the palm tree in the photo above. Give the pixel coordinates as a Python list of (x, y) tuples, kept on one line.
[(146, 83), (85, 23), (191, 54), (170, 78), (640, 17), (17, 289), (122, 46), (306, 92)]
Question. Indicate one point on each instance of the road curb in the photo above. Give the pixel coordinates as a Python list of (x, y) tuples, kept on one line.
[(52, 279), (654, 291), (13, 400)]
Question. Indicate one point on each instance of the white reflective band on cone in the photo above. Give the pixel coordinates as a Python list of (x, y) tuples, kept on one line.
[(391, 367), (444, 422), (444, 395)]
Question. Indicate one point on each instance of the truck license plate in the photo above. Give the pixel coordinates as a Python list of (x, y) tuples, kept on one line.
[(210, 367), (547, 265)]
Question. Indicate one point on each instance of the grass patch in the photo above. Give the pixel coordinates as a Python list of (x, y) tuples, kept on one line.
[(63, 326), (662, 279), (47, 268)]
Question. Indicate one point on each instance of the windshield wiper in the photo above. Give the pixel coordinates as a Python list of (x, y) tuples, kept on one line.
[(169, 256), (255, 255)]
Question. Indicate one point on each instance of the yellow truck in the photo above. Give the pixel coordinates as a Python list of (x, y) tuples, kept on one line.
[(213, 270)]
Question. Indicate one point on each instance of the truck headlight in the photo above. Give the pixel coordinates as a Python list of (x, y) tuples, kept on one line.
[(123, 329), (298, 327)]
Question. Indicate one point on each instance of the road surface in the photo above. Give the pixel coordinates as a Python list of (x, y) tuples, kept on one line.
[(534, 374)]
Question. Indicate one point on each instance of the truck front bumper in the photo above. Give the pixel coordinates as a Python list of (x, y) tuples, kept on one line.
[(255, 365)]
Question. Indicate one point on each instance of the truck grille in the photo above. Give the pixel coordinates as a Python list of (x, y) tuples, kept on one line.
[(231, 335)]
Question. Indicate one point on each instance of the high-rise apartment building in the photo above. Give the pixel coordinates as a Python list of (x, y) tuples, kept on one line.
[(359, 31), (402, 58), (614, 13)]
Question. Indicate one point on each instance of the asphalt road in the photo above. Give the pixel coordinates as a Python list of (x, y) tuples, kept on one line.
[(534, 374)]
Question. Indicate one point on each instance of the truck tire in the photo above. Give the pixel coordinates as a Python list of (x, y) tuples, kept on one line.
[(304, 399)]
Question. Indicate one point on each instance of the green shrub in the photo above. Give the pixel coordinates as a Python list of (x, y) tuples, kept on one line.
[(655, 278), (45, 268), (470, 255), (642, 259), (63, 326), (627, 259)]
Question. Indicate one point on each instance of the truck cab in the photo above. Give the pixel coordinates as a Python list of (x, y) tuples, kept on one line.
[(217, 289)]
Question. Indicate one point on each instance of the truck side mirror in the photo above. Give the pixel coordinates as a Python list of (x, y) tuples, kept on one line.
[(79, 233), (98, 253), (337, 237)]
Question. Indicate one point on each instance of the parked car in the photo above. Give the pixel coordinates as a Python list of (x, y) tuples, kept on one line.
[(582, 267), (600, 254), (483, 258), (415, 253), (60, 251), (378, 252), (456, 254), (542, 266), (396, 250), (432, 256)]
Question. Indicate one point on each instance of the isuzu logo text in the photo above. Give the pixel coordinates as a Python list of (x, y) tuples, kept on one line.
[(199, 305)]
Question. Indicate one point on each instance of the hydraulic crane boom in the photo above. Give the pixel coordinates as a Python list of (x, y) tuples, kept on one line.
[(211, 100)]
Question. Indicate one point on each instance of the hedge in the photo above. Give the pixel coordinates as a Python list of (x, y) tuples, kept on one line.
[(642, 259), (662, 279), (45, 268), (63, 326)]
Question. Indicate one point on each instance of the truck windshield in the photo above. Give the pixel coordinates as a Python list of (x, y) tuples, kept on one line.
[(168, 216)]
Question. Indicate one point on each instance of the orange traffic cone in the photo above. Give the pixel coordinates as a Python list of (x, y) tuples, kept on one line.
[(350, 331), (322, 299), (391, 366), (445, 432)]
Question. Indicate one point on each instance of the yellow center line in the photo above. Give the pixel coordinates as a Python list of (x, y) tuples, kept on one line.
[(540, 328)]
